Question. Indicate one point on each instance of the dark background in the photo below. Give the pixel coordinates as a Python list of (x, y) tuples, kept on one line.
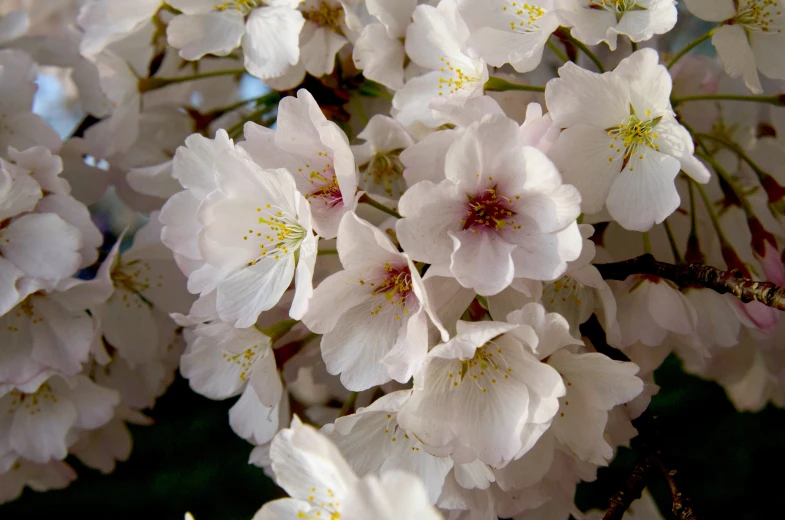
[(732, 464)]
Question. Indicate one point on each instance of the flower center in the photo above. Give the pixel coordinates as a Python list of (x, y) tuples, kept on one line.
[(325, 184), (278, 234), (243, 6), (488, 210), (324, 15), (31, 402), (245, 360), (454, 79), (617, 7), (523, 16), (570, 298), (757, 15), (134, 277), (396, 285), (487, 366), (632, 134), (383, 175)]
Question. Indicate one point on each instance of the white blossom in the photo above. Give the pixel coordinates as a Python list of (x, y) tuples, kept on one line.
[(749, 39), (501, 213), (621, 146), (595, 21)]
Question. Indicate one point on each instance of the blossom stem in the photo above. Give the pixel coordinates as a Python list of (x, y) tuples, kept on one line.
[(698, 274), (694, 43), (378, 205), (237, 128), (557, 51), (348, 405), (327, 252), (278, 330), (738, 192), (580, 45), (270, 97), (672, 241), (287, 351), (763, 177), (728, 252), (646, 242), (710, 209), (723, 173), (147, 84), (500, 85), (358, 107), (693, 254), (776, 99)]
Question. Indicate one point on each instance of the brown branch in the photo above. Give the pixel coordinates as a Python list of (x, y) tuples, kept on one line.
[(680, 504), (633, 488), (652, 456), (698, 275)]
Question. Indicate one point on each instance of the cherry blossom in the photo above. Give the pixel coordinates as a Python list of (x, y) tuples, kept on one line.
[(501, 206), (628, 140), (749, 39)]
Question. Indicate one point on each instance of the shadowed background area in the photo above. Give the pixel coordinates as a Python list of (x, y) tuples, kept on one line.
[(189, 460)]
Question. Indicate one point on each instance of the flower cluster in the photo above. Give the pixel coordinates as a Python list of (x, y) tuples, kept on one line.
[(420, 284)]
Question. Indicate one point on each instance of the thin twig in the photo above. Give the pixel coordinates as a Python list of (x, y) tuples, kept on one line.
[(698, 275), (378, 205), (680, 503), (348, 405), (633, 488), (502, 85), (652, 456)]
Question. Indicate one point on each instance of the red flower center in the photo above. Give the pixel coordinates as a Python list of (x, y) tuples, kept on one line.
[(488, 210)]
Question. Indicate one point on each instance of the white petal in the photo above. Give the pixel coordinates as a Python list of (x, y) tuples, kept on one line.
[(213, 372), (736, 54), (271, 42), (251, 420), (20, 192), (645, 194), (482, 262), (676, 141), (579, 96), (196, 35), (251, 290), (335, 295), (358, 343), (9, 296), (43, 246), (128, 326), (545, 256), (766, 47), (397, 494), (95, 404), (266, 381), (307, 464), (394, 14), (430, 211), (712, 10), (76, 214), (424, 160), (379, 56), (581, 153), (303, 274), (650, 82), (38, 433), (286, 509), (320, 45), (63, 341)]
